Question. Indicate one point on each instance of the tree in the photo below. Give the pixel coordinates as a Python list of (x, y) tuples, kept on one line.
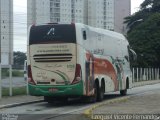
[(144, 36), (19, 58)]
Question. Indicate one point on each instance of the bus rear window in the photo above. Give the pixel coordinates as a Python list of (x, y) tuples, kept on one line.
[(58, 33)]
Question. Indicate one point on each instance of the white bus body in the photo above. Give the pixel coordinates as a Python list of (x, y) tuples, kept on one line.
[(66, 60)]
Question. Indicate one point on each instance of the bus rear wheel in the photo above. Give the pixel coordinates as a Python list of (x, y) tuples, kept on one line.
[(57, 99), (49, 99), (123, 92), (100, 94), (93, 98)]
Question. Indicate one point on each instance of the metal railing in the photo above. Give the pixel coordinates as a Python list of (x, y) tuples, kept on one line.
[(138, 75), (145, 74)]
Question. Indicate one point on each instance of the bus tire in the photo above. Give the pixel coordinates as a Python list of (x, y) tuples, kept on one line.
[(55, 99), (93, 98), (63, 99), (123, 92), (90, 99), (100, 93), (49, 99)]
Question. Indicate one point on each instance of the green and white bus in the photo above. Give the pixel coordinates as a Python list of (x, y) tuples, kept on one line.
[(76, 60)]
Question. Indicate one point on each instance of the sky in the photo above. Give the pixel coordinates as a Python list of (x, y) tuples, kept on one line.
[(20, 22)]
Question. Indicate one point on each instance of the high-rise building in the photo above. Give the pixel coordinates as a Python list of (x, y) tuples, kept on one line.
[(63, 11), (6, 31), (105, 14), (38, 11), (122, 9), (109, 14), (101, 13)]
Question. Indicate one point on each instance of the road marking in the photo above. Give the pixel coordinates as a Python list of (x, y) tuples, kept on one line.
[(88, 112)]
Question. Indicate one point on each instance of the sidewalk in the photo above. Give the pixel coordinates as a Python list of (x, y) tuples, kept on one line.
[(146, 103), (142, 83), (115, 106), (141, 106), (23, 99), (16, 100)]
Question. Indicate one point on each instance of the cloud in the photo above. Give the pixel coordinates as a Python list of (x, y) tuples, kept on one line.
[(20, 32)]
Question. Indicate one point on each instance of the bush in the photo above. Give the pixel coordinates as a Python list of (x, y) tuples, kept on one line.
[(5, 72), (15, 73), (16, 91)]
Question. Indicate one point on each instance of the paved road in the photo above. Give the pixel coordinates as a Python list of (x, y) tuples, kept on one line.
[(143, 102), (144, 105), (68, 111), (17, 82)]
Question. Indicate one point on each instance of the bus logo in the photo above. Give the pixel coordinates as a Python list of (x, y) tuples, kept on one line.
[(51, 31)]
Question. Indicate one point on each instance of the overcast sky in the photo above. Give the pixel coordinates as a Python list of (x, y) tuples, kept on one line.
[(20, 22)]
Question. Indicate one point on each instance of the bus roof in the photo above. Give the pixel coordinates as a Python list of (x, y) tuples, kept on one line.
[(98, 30), (104, 31)]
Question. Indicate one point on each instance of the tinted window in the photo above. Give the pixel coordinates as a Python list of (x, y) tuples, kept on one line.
[(52, 34)]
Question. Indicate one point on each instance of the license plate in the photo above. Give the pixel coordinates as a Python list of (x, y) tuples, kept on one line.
[(53, 89)]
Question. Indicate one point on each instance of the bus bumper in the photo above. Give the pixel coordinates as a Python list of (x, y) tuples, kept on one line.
[(60, 90)]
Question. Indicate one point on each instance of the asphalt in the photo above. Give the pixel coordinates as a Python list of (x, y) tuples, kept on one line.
[(7, 102), (27, 99), (143, 103), (141, 106)]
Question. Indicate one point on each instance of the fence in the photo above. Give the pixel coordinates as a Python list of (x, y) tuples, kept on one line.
[(145, 74), (12, 81), (138, 75)]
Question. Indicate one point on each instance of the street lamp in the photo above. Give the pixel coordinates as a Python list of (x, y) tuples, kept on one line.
[(140, 20)]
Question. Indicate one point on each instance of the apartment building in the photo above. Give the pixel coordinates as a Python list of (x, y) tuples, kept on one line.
[(101, 13), (63, 11), (6, 31), (122, 8), (107, 14), (38, 11)]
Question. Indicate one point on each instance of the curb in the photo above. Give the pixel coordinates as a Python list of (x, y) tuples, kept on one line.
[(88, 112), (20, 104), (136, 84)]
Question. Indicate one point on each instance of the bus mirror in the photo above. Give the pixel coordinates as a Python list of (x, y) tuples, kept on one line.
[(126, 57), (84, 35), (133, 54)]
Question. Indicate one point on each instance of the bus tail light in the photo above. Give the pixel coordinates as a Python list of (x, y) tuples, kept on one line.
[(78, 75), (30, 78)]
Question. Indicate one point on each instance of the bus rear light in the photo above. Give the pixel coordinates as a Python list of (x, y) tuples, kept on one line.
[(78, 75), (30, 78)]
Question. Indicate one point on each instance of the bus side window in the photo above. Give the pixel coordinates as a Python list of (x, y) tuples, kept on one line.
[(84, 35), (127, 58)]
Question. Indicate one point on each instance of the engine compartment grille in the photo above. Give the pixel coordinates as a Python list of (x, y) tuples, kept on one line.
[(52, 57)]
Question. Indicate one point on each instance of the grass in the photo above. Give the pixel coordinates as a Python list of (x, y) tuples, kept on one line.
[(15, 73), (15, 91)]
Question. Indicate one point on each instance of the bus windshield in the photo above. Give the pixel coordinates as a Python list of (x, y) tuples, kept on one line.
[(64, 33)]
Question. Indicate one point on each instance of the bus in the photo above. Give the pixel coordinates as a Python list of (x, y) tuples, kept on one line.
[(77, 60)]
